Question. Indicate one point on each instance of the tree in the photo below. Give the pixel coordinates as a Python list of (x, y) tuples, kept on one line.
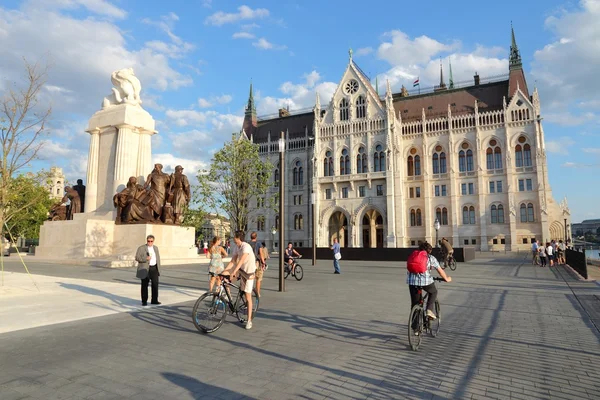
[(22, 126), (27, 204), (236, 175), (194, 218)]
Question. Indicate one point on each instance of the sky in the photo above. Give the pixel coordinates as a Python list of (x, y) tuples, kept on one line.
[(196, 58)]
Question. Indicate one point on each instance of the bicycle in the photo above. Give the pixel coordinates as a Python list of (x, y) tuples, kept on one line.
[(214, 306), (419, 322), (297, 273), (449, 262)]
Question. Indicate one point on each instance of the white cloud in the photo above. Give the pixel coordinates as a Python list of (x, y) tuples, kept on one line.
[(244, 12), (243, 35), (592, 150), (264, 44), (207, 3), (203, 103), (559, 146), (101, 7), (249, 27), (566, 118), (185, 117), (364, 51), (566, 68), (223, 99), (297, 95), (170, 161), (570, 164)]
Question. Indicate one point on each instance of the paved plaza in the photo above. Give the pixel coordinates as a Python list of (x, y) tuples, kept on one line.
[(509, 330)]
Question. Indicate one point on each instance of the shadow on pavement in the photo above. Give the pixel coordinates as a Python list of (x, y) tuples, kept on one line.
[(199, 390)]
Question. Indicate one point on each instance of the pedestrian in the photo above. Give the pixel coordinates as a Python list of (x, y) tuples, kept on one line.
[(337, 256), (535, 252), (205, 247), (550, 253), (148, 258), (266, 254), (215, 266), (260, 260), (561, 252), (542, 253)]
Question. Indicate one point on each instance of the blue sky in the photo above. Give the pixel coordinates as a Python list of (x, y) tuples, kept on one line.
[(196, 58)]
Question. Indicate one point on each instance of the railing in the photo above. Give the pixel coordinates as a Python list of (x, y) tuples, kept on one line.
[(577, 261), (456, 85)]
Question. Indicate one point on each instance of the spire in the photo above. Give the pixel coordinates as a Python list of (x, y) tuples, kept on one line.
[(515, 55), (442, 85), (377, 86), (250, 120), (350, 54), (451, 86)]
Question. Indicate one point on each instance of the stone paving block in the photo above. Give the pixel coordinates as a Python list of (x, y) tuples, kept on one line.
[(11, 394)]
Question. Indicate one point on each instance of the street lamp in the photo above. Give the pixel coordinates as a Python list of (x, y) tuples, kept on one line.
[(565, 231), (313, 200), (436, 225), (281, 209), (274, 232)]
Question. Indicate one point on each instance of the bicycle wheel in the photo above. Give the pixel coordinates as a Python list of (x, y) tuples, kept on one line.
[(444, 264), (209, 312), (434, 325), (452, 263), (242, 309), (415, 327), (286, 271), (298, 272)]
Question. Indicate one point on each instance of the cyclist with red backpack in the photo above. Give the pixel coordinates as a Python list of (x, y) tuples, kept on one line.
[(419, 264)]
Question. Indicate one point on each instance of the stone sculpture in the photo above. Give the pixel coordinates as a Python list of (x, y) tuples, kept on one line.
[(75, 206), (180, 188), (126, 91), (132, 204), (159, 183), (58, 212), (80, 189)]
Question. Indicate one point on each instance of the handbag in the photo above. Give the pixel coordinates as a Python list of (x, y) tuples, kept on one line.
[(337, 256)]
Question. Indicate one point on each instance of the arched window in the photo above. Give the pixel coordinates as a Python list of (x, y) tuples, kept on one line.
[(527, 155), (518, 156), (497, 212), (413, 218), (410, 166), (436, 163), (361, 107), (523, 210), (276, 175), (462, 161), (443, 168), (379, 159), (345, 163), (300, 222), (468, 215), (442, 215), (328, 164), (361, 161), (493, 156), (295, 176), (419, 218), (439, 161), (344, 110), (469, 160), (298, 174), (527, 213), (417, 165), (301, 176)]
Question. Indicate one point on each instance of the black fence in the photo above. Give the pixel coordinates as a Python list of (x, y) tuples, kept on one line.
[(381, 254), (577, 261)]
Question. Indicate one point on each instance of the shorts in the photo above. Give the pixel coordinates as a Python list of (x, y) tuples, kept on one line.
[(246, 282), (259, 273)]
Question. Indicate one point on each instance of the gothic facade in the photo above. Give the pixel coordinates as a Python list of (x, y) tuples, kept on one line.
[(380, 171)]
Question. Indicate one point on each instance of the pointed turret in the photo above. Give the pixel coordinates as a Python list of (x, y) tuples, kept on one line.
[(442, 85), (250, 121), (516, 79), (451, 82)]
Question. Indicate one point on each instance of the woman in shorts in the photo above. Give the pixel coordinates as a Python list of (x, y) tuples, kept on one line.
[(216, 253)]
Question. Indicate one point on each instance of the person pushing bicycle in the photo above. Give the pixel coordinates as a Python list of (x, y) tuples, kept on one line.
[(288, 256), (419, 266), (447, 249)]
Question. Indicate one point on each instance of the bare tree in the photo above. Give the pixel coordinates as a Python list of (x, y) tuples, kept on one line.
[(22, 125)]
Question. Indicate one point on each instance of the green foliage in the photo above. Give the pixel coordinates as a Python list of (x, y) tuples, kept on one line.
[(27, 205), (194, 218), (236, 175)]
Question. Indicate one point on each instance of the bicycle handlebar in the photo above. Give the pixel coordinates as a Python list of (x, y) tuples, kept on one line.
[(439, 279)]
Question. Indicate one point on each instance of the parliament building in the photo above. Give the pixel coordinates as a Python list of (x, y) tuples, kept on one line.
[(382, 170)]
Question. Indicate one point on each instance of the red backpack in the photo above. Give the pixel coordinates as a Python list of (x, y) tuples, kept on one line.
[(417, 262)]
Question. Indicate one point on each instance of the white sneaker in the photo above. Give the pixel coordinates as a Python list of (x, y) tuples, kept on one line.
[(431, 315), (249, 325)]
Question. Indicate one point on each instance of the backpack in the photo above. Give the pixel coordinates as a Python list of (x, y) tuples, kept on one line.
[(417, 262), (256, 246)]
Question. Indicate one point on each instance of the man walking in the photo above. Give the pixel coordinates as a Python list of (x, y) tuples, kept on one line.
[(336, 256), (260, 260), (148, 258)]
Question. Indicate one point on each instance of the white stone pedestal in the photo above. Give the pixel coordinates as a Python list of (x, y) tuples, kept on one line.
[(96, 238)]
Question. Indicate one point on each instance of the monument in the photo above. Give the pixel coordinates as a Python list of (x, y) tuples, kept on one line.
[(121, 203)]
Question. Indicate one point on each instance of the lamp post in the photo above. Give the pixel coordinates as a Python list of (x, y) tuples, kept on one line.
[(565, 231), (281, 209), (436, 225), (313, 199), (274, 232)]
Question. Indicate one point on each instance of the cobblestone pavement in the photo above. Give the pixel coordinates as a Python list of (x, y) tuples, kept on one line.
[(509, 330)]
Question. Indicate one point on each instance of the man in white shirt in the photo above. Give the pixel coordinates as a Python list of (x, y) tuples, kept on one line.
[(244, 262), (148, 258)]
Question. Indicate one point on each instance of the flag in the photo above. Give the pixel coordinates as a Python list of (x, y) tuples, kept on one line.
[(416, 82)]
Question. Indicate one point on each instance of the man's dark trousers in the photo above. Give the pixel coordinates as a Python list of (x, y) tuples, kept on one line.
[(152, 276)]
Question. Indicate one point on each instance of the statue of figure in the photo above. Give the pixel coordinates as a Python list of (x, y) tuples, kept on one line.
[(58, 212), (158, 182), (75, 207), (403, 92), (80, 188), (180, 188), (126, 91), (132, 204)]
